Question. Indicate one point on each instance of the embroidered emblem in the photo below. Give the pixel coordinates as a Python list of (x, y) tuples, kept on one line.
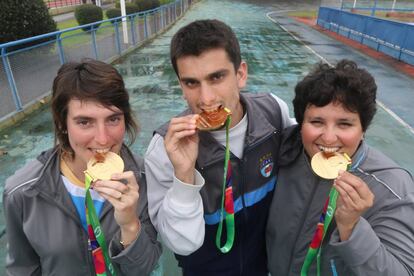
[(266, 165)]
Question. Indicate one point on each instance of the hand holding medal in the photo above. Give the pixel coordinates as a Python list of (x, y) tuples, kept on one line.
[(106, 170)]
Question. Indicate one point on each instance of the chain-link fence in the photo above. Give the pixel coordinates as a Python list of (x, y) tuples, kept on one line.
[(26, 75)]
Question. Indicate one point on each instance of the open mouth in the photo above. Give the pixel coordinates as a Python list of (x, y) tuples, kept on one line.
[(99, 155), (213, 119), (328, 151)]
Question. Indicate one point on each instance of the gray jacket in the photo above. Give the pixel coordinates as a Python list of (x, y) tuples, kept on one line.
[(45, 235), (382, 242)]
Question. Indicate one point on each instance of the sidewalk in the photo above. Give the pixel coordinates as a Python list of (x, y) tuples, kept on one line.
[(395, 79)]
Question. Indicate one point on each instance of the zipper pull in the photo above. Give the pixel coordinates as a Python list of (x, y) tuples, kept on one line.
[(89, 245)]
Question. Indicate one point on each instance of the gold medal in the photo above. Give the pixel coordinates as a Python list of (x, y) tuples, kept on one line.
[(213, 120), (328, 165), (103, 166)]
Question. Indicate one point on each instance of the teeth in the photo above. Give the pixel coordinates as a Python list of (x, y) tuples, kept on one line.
[(211, 109), (102, 150), (328, 149)]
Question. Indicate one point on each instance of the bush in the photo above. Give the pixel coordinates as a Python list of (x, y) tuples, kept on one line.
[(22, 19), (144, 5), (112, 13), (88, 13), (129, 7)]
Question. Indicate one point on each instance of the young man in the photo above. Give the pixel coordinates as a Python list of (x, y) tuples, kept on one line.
[(184, 166)]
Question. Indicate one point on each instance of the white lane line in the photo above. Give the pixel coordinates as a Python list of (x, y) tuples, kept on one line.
[(383, 106)]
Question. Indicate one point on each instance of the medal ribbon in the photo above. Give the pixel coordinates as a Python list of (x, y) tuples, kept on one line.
[(315, 247), (227, 203), (96, 240)]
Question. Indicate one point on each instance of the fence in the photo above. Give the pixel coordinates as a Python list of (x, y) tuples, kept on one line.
[(26, 75), (374, 5), (392, 38)]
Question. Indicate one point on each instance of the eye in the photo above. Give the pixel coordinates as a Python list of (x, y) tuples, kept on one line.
[(217, 76), (190, 83), (84, 123), (345, 124), (316, 123), (115, 120)]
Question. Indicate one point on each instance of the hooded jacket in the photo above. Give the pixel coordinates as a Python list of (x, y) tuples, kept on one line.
[(45, 235), (382, 242)]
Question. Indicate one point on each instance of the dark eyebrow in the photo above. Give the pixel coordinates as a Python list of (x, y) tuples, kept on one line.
[(347, 120), (219, 72), (81, 118), (188, 79)]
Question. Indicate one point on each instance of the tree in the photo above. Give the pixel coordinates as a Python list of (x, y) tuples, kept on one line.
[(24, 18)]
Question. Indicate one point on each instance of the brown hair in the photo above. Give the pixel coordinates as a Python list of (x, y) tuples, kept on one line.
[(203, 35), (88, 80)]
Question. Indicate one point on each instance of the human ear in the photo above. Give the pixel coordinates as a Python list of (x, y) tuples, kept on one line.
[(242, 74)]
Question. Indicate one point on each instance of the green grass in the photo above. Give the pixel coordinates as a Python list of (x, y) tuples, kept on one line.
[(79, 36)]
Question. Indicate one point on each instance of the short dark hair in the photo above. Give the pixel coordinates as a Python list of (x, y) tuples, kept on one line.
[(202, 35), (345, 83), (88, 80)]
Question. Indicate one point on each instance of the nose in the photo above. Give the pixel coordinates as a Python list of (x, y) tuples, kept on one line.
[(101, 135), (329, 136), (207, 95)]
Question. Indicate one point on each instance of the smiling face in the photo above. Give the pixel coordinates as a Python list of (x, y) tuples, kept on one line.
[(331, 128), (93, 128), (209, 81)]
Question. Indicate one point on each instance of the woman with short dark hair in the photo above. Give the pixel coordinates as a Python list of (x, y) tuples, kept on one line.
[(340, 207), (79, 209)]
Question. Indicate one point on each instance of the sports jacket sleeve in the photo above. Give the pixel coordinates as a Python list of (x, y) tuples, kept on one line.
[(175, 208), (382, 243), (21, 259), (287, 121), (141, 256)]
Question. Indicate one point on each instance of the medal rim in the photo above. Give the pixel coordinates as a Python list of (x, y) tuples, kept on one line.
[(113, 164)]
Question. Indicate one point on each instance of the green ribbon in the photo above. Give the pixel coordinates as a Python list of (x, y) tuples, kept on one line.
[(229, 219), (93, 220), (330, 212)]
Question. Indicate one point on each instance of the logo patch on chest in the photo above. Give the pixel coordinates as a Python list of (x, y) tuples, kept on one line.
[(266, 164)]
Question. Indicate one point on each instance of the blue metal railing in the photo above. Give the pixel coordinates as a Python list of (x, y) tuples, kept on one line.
[(392, 38), (148, 22)]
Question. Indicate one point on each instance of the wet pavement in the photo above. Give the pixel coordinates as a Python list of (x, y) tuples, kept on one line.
[(279, 52)]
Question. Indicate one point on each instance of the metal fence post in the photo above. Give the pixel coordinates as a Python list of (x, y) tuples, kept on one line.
[(94, 46), (10, 79), (117, 42), (162, 17), (374, 8), (182, 7), (60, 48), (132, 29), (145, 26)]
